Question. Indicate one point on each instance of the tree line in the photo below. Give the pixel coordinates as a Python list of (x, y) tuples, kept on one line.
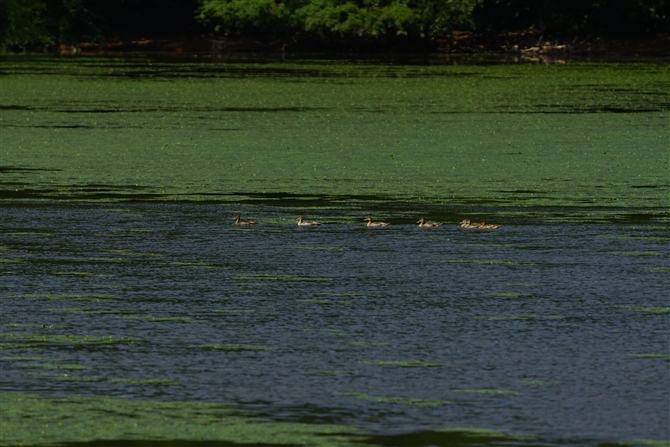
[(53, 22)]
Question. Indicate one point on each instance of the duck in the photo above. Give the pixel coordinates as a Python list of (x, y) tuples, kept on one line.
[(307, 223), (485, 226), (423, 223), (376, 224), (239, 221), (467, 223)]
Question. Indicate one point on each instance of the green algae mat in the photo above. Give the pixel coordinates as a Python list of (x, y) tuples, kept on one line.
[(576, 134)]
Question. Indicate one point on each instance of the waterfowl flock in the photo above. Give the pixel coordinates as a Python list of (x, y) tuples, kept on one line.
[(423, 223), (478, 225)]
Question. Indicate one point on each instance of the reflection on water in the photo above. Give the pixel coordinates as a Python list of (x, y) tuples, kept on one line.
[(558, 331)]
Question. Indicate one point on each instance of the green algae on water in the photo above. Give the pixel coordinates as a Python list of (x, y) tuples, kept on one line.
[(651, 356), (398, 400), (490, 391), (401, 363), (30, 419), (652, 310), (287, 278), (158, 319), (65, 296), (145, 381), (235, 347), (488, 262), (69, 366), (74, 339)]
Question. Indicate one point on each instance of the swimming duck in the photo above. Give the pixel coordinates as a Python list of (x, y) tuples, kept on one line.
[(376, 224), (306, 223), (467, 223), (423, 223), (239, 221), (485, 226)]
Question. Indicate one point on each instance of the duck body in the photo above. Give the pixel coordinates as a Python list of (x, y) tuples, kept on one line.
[(485, 226), (239, 221), (467, 223), (376, 224), (307, 223), (423, 223)]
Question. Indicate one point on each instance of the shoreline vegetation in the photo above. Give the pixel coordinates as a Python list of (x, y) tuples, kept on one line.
[(527, 29), (526, 46)]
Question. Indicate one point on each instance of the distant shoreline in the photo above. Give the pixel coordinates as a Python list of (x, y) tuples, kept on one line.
[(524, 46)]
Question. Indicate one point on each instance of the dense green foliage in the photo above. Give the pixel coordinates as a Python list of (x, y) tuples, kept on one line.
[(42, 22), (376, 18)]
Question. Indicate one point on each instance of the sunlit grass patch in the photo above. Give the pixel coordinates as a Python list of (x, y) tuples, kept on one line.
[(65, 296), (651, 356), (653, 310), (490, 391), (74, 339), (286, 278), (401, 363), (316, 248), (236, 347), (12, 261), (397, 400)]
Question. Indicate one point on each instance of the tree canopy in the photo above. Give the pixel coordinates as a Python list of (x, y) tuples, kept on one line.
[(24, 22)]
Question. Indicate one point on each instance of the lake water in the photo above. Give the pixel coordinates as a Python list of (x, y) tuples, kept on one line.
[(133, 309)]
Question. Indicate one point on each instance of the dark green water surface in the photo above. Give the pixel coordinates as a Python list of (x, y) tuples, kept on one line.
[(133, 310)]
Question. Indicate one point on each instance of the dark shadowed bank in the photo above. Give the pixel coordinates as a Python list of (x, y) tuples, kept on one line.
[(625, 28)]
